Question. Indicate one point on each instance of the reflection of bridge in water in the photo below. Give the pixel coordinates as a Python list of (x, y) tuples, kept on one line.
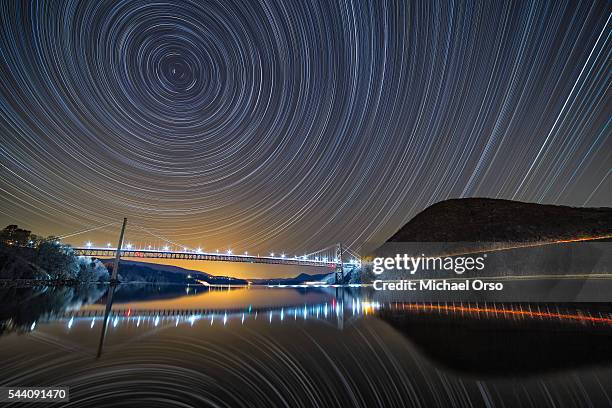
[(336, 311), (343, 306), (335, 308)]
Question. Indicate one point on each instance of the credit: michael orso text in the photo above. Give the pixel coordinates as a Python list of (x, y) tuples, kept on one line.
[(404, 264)]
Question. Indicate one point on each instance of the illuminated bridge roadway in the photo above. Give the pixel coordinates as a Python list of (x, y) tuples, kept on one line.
[(321, 262)]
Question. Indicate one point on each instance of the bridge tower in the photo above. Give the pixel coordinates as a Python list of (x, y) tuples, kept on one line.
[(340, 307), (339, 264), (118, 253)]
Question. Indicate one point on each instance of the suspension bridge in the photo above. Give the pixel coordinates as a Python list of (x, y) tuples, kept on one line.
[(334, 257)]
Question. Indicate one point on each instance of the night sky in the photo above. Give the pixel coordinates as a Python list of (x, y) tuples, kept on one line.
[(291, 125)]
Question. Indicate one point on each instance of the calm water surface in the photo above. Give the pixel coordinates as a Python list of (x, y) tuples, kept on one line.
[(193, 346)]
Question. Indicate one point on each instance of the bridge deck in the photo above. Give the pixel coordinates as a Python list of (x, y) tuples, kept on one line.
[(203, 256)]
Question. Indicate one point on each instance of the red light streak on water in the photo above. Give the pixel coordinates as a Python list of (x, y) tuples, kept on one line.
[(508, 312)]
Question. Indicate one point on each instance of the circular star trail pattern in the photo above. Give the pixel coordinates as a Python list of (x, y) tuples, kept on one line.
[(292, 124)]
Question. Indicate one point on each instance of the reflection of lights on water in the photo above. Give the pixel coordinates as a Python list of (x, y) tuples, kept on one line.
[(368, 307), (33, 326), (360, 308), (505, 312), (319, 311)]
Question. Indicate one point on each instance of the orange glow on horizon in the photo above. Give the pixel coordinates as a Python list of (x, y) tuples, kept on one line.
[(238, 270)]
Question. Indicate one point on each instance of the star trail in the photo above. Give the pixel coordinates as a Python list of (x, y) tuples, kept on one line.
[(296, 124)]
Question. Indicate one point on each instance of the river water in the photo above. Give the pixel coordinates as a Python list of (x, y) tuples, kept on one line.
[(300, 347)]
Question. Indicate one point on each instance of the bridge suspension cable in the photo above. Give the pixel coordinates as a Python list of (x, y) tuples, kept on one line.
[(327, 255), (160, 237), (87, 230), (352, 253)]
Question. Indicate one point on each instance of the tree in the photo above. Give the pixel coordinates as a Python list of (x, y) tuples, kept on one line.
[(57, 260), (13, 235), (27, 256), (91, 270)]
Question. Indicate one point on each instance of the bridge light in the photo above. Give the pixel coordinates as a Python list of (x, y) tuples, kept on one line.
[(199, 250), (246, 252), (272, 254), (166, 248), (149, 247), (229, 251), (216, 250), (88, 244), (108, 244), (282, 255), (129, 246)]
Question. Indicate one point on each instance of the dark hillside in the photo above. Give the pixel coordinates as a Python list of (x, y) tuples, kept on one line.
[(492, 220)]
